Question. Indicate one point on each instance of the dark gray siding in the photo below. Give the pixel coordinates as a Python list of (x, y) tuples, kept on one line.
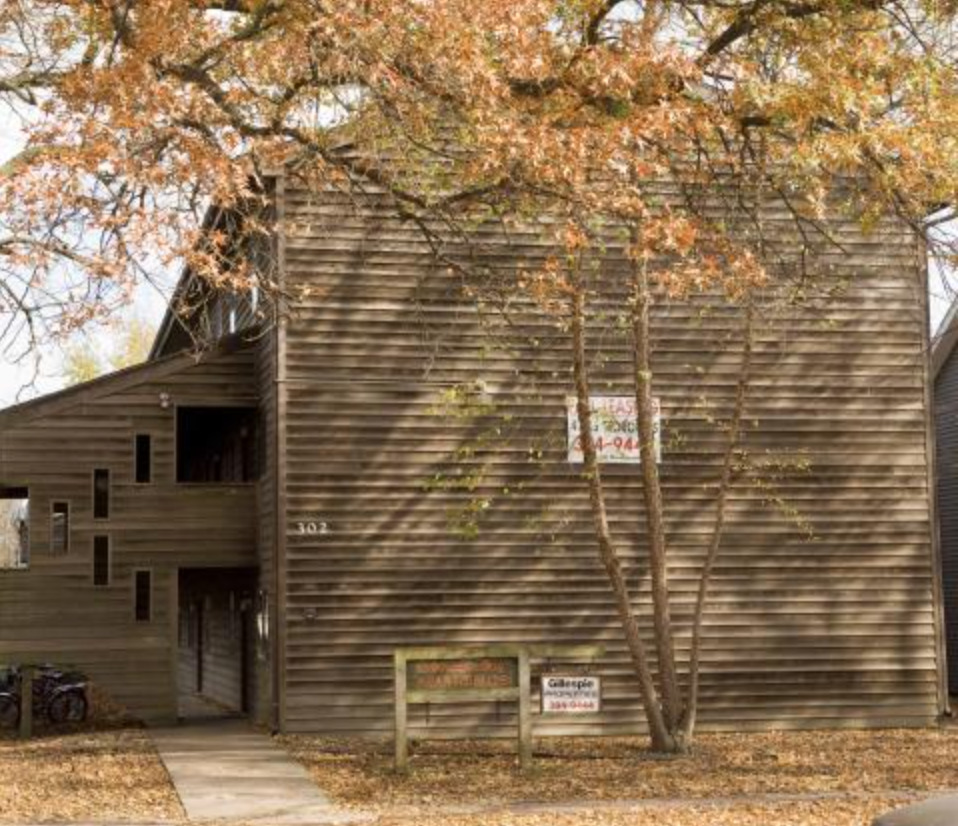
[(946, 434)]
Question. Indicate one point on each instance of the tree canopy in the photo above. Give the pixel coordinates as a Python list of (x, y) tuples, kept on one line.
[(142, 114), (139, 114)]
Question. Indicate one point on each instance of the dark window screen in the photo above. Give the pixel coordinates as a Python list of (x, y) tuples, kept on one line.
[(101, 560), (101, 493), (144, 595), (60, 528), (144, 459)]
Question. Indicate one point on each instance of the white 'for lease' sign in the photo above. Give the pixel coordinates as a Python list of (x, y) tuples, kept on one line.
[(614, 429), (571, 694)]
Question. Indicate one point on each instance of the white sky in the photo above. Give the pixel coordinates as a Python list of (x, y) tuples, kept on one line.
[(21, 381)]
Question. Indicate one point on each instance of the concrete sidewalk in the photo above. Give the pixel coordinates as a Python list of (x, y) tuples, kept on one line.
[(224, 770)]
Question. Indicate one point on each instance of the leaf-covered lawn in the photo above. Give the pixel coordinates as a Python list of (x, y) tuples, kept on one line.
[(116, 775), (825, 813), (359, 774), (93, 775)]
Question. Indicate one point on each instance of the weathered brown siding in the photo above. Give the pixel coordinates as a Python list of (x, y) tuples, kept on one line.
[(833, 630), (53, 611)]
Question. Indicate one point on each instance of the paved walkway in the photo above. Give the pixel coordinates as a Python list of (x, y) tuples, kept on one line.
[(195, 708), (223, 770)]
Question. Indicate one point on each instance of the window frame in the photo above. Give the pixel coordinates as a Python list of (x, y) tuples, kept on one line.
[(66, 534)]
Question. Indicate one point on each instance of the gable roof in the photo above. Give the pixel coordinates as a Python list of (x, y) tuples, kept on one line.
[(171, 319), (945, 340), (117, 381)]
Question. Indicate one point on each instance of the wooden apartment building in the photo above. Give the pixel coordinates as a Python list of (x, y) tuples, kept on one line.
[(265, 522)]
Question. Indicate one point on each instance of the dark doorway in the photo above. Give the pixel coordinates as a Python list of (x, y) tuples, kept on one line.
[(247, 652), (216, 662), (198, 636)]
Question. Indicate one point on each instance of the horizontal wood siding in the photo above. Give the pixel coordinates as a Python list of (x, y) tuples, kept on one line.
[(53, 611), (834, 629)]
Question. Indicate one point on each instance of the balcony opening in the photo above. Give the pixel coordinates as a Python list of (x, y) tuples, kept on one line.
[(216, 444)]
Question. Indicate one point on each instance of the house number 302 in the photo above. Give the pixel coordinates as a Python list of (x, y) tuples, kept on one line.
[(312, 528)]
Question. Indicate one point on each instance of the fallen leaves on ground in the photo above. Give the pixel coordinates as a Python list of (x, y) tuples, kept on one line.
[(820, 813), (91, 775), (442, 774)]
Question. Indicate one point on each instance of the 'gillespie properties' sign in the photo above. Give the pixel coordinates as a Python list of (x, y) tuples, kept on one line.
[(571, 694)]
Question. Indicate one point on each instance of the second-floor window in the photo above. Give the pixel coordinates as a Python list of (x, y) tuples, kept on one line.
[(60, 528), (143, 459), (101, 493)]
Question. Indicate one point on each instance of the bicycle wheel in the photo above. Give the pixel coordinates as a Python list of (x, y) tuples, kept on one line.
[(68, 707), (9, 711)]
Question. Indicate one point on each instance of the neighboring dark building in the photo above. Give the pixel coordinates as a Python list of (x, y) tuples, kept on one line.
[(944, 368), (266, 522)]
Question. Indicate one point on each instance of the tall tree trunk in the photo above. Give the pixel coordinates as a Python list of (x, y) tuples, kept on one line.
[(662, 735), (652, 488), (715, 542)]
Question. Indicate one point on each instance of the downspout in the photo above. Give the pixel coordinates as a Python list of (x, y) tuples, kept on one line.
[(278, 608)]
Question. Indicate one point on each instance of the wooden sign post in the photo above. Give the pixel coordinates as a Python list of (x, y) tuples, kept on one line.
[(26, 702), (462, 674), (444, 674)]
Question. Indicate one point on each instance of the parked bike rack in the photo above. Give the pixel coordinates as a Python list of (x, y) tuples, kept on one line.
[(60, 690), (26, 702), (26, 698)]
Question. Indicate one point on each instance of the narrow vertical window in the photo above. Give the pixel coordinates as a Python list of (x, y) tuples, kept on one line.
[(60, 528), (101, 493), (144, 459), (101, 560), (143, 595)]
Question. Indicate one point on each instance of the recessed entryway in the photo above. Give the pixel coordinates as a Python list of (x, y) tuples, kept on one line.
[(216, 642)]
